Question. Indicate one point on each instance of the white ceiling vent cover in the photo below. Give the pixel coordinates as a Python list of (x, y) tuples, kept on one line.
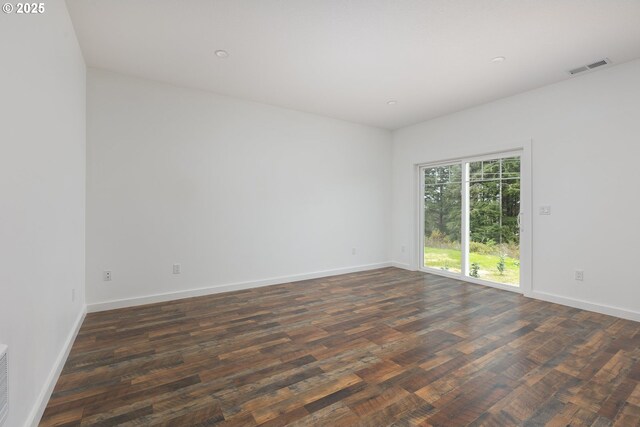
[(589, 67), (4, 383)]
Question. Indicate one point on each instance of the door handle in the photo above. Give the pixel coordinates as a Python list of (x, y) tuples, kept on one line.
[(520, 221)]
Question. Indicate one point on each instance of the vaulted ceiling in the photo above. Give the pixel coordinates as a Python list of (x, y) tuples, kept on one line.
[(348, 58)]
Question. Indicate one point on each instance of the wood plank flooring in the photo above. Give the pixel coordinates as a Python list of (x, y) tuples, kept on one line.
[(384, 347)]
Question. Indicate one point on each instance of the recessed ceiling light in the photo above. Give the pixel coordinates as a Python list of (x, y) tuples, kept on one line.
[(498, 59), (392, 102), (222, 53)]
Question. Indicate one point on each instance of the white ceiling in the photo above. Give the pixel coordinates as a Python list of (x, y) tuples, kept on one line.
[(347, 58)]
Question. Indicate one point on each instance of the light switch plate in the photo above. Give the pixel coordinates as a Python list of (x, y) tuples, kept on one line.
[(545, 210)]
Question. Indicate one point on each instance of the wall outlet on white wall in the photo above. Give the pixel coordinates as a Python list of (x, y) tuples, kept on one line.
[(177, 269), (353, 251), (579, 275), (73, 295), (403, 249), (106, 275)]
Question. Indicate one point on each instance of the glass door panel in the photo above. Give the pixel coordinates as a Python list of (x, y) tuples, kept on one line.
[(442, 195), (493, 220)]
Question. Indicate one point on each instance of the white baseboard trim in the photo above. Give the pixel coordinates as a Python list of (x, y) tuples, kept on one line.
[(403, 266), (169, 296), (52, 379), (585, 305)]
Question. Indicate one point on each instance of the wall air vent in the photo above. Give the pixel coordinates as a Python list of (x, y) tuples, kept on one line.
[(589, 67), (4, 384)]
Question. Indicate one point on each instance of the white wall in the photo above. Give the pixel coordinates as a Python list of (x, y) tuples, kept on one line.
[(586, 148), (42, 197), (234, 191)]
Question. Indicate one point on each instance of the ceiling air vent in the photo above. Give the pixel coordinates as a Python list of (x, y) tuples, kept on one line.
[(4, 384), (597, 64), (589, 67), (577, 70)]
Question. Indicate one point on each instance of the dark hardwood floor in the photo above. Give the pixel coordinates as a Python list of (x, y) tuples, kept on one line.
[(384, 347)]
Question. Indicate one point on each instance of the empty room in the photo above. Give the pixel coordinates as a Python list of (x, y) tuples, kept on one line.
[(319, 213)]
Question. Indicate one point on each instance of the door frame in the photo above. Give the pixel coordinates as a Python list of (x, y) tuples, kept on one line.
[(523, 149)]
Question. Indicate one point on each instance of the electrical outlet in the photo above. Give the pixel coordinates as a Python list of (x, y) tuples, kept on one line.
[(403, 249), (579, 274), (73, 295), (177, 269), (106, 275), (353, 251)]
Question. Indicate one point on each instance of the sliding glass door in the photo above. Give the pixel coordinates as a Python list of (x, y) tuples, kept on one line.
[(471, 218), (443, 217)]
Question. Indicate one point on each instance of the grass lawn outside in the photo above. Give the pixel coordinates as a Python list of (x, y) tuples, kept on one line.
[(451, 259)]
